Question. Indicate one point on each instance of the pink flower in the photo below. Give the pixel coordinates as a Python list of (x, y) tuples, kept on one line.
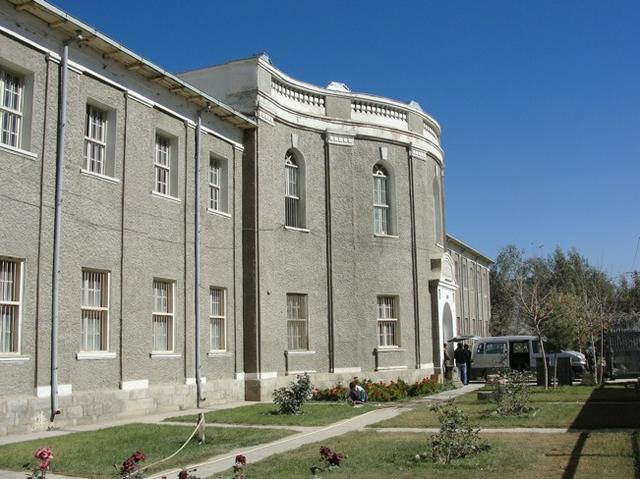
[(44, 453), (137, 456), (183, 474), (128, 466), (240, 459)]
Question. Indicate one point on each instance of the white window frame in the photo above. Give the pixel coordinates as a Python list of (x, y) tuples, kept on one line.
[(168, 315), (292, 202), (381, 206), (95, 138), (100, 311), (297, 342), (162, 166), (218, 317), (11, 113), (215, 185), (11, 299), (387, 327)]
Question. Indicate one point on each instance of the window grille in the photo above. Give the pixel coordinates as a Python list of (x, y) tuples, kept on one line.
[(217, 319), (11, 97), (297, 318), (387, 321), (10, 303), (95, 145), (215, 175), (292, 193), (162, 165), (95, 310), (381, 205), (162, 316)]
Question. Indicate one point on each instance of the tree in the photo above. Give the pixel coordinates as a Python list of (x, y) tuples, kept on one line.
[(534, 290), (504, 304)]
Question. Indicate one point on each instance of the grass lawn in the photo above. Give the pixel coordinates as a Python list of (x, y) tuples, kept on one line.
[(589, 416), (313, 414), (569, 406), (377, 455), (92, 454)]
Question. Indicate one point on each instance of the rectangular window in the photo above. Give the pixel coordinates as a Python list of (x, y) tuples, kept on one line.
[(217, 313), (297, 318), (10, 304), (215, 185), (95, 310), (162, 316), (95, 143), (387, 321), (11, 98), (163, 165)]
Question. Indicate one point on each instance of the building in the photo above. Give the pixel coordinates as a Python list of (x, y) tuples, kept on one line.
[(473, 305), (214, 234)]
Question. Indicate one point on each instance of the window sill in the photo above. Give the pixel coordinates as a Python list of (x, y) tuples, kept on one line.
[(219, 354), (293, 228), (218, 213), (17, 151), (16, 358), (164, 355), (166, 197), (98, 176), (390, 349), (95, 355), (299, 352), (378, 235)]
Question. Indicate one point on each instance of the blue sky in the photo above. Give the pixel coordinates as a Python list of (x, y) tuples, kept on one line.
[(539, 101)]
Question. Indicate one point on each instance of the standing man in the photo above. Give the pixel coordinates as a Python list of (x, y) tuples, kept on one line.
[(461, 362), (467, 355)]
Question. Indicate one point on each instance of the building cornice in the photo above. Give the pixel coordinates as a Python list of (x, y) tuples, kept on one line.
[(316, 96), (351, 128), (109, 49)]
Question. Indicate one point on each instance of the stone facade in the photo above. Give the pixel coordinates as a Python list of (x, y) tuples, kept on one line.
[(315, 221), (114, 223), (472, 296)]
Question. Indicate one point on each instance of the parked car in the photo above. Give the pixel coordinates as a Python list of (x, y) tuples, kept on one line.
[(491, 354)]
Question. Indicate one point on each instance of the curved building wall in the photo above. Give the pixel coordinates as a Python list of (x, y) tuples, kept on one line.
[(337, 260)]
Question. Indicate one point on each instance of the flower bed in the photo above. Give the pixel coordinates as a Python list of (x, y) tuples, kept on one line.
[(381, 391)]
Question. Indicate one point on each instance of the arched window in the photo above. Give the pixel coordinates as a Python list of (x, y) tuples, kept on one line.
[(381, 201), (294, 191), (437, 210)]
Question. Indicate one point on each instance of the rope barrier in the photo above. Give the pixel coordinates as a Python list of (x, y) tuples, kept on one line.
[(200, 422)]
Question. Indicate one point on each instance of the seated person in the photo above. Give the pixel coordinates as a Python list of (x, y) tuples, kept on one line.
[(356, 394)]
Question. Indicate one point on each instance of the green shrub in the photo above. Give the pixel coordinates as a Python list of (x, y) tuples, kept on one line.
[(291, 398), (457, 438), (512, 393)]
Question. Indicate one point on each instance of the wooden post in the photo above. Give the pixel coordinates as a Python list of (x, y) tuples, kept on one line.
[(201, 426)]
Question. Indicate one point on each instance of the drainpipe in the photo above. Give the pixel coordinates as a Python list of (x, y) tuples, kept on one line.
[(55, 289), (199, 398)]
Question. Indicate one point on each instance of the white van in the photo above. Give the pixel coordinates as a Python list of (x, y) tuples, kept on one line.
[(517, 352)]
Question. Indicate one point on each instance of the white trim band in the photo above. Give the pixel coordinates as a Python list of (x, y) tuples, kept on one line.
[(258, 376), (347, 370), (45, 391), (192, 381), (134, 385)]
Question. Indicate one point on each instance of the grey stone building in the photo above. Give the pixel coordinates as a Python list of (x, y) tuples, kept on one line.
[(168, 241), (472, 299)]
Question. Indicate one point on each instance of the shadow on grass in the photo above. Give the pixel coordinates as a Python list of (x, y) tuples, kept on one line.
[(609, 406)]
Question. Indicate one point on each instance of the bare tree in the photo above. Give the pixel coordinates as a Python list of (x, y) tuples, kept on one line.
[(534, 291)]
